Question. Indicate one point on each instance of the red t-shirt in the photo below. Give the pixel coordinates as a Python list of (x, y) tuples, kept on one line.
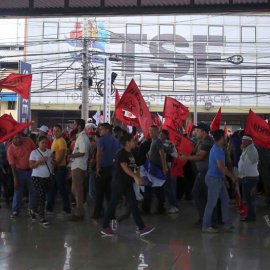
[(19, 155)]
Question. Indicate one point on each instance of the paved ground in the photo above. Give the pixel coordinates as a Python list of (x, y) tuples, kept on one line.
[(175, 244)]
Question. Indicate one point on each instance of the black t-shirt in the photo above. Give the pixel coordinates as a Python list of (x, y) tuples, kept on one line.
[(122, 156)]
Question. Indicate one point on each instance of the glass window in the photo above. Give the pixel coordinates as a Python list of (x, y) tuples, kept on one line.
[(215, 30), (11, 105), (133, 29), (50, 30), (215, 84), (48, 81), (248, 34), (248, 84), (166, 32)]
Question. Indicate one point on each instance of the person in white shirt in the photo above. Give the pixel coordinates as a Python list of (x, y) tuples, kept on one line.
[(79, 162), (248, 172), (41, 164)]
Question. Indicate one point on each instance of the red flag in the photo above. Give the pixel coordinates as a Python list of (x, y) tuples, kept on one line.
[(9, 127), (119, 113), (174, 109), (258, 129), (18, 83), (183, 146), (170, 123), (156, 119), (188, 128), (132, 101), (216, 121), (225, 129)]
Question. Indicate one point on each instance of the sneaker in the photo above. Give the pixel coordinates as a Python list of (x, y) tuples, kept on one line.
[(114, 225), (173, 210), (108, 231), (32, 215), (267, 220), (49, 213), (14, 214), (43, 222), (146, 230), (210, 230)]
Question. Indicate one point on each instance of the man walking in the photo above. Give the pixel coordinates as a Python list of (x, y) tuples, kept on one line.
[(156, 155), (248, 171), (107, 147), (215, 183), (199, 192), (170, 183), (79, 161), (18, 157)]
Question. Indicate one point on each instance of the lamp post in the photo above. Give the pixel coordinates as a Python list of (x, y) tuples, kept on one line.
[(235, 59)]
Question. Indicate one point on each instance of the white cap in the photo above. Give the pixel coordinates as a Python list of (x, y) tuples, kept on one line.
[(44, 129), (248, 138)]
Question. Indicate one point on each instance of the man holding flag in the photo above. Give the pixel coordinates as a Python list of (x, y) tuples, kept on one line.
[(157, 165), (201, 159)]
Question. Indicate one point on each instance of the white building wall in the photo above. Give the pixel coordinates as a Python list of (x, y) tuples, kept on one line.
[(158, 52)]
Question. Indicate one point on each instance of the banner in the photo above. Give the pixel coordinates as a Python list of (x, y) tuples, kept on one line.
[(170, 123), (258, 129), (174, 109), (132, 101), (18, 83), (183, 146), (216, 121), (123, 116), (9, 127)]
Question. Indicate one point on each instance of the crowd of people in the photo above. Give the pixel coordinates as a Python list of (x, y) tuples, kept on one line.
[(104, 163)]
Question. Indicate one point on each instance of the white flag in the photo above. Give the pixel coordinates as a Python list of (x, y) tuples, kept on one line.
[(97, 117)]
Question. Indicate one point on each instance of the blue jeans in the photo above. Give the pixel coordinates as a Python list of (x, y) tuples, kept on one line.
[(92, 191), (170, 189), (58, 183), (216, 190), (249, 185), (24, 178)]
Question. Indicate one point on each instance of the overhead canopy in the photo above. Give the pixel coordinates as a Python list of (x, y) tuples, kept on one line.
[(125, 7)]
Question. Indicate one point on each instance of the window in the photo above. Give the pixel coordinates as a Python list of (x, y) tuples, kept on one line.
[(248, 84), (166, 32), (50, 30), (215, 84), (48, 80), (248, 34), (215, 31), (134, 30), (11, 105)]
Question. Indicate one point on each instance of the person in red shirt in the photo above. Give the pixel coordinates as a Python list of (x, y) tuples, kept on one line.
[(18, 157), (44, 131)]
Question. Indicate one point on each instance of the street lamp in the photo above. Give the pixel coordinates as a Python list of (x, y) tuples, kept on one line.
[(235, 59)]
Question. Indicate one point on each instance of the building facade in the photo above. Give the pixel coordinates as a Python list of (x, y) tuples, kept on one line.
[(158, 52)]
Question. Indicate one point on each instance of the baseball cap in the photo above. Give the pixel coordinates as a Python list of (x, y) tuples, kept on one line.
[(203, 126), (44, 129)]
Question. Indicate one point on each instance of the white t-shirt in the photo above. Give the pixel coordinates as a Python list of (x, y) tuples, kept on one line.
[(41, 170), (81, 146)]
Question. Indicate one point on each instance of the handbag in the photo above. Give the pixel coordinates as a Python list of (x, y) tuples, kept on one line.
[(51, 173)]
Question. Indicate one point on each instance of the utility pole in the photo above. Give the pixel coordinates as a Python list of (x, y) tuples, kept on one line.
[(85, 98), (107, 91), (195, 90)]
